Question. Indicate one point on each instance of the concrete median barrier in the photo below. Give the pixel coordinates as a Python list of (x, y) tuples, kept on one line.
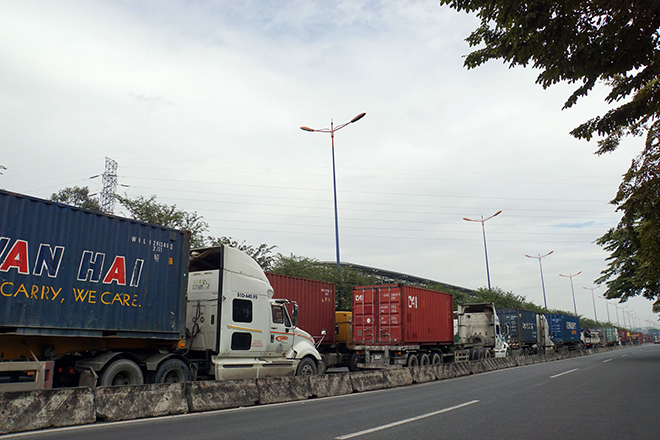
[(283, 389), (330, 385), (142, 401), (398, 377), (423, 374), (460, 369), (212, 395), (368, 381), (31, 410)]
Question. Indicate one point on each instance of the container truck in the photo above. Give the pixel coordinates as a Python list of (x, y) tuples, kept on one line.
[(590, 337), (399, 325), (623, 336), (564, 331), (526, 331), (330, 329), (93, 299), (609, 336)]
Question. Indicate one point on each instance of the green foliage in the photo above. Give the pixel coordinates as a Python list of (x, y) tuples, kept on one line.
[(78, 197), (584, 42), (634, 262), (504, 300), (150, 211), (262, 254), (345, 278)]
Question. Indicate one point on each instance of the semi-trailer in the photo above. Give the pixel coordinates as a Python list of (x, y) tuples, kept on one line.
[(609, 336), (94, 299), (392, 325), (564, 331), (526, 331), (623, 336)]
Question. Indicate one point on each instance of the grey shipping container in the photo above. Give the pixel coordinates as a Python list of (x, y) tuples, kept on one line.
[(66, 271)]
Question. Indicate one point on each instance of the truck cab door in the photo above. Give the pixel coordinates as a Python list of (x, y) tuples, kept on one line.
[(280, 342)]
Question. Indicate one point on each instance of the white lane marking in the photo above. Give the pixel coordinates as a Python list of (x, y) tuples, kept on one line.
[(565, 372), (412, 419), (607, 360), (624, 355)]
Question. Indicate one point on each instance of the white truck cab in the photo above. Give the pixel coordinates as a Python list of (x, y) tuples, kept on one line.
[(235, 325), (479, 333)]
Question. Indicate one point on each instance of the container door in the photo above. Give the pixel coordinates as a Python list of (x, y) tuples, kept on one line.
[(364, 318), (389, 315)]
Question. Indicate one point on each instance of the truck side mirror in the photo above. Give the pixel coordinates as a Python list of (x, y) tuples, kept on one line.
[(295, 315)]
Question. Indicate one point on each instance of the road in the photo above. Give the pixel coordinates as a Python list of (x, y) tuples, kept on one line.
[(613, 395)]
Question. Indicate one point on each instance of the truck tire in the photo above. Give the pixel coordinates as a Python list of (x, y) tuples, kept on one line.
[(323, 365), (172, 371), (412, 361), (353, 361), (436, 358), (306, 367), (424, 360), (121, 372)]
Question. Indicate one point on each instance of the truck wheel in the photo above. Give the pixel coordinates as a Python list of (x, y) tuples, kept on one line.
[(486, 354), (353, 361), (323, 365), (172, 371), (436, 359), (413, 361), (121, 372), (306, 367), (424, 359)]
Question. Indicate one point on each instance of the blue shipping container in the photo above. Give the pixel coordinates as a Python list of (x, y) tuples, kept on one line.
[(563, 328), (72, 272), (521, 325)]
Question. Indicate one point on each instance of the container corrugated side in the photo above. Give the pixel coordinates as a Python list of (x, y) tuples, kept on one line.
[(398, 314), (72, 272), (571, 328), (316, 304), (556, 325), (520, 323)]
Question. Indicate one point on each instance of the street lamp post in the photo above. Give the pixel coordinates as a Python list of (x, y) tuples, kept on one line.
[(623, 315), (607, 307), (616, 308), (483, 229), (332, 130), (593, 299), (545, 303), (572, 290)]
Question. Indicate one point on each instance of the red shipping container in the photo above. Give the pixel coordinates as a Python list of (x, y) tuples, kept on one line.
[(316, 303), (623, 335), (396, 314)]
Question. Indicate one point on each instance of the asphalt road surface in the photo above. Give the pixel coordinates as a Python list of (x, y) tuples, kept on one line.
[(613, 395)]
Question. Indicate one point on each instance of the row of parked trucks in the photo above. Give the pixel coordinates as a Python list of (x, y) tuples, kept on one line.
[(90, 299)]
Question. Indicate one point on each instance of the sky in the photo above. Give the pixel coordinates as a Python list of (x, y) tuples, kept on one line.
[(201, 102)]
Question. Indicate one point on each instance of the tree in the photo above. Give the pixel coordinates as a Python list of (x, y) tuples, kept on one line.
[(634, 263), (587, 41), (169, 216), (262, 254), (78, 197)]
